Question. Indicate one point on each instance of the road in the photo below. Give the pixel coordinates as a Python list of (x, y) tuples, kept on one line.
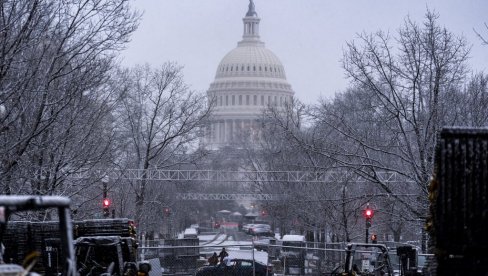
[(237, 243)]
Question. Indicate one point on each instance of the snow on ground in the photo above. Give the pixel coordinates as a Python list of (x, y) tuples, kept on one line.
[(218, 240), (236, 249), (231, 242), (206, 238), (259, 256)]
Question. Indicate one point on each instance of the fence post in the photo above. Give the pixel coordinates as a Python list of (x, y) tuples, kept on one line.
[(253, 260)]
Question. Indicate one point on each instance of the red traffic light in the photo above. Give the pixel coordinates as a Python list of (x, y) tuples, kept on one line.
[(368, 213), (167, 211), (374, 238), (106, 203)]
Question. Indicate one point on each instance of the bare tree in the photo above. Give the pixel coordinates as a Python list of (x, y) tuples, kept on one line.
[(407, 89), (55, 57), (162, 121), (482, 37), (474, 102), (404, 89)]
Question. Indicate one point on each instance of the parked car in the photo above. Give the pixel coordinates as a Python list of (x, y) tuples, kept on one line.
[(261, 230), (246, 227), (190, 233), (236, 267)]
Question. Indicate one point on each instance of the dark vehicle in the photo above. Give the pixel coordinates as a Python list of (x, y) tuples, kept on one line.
[(236, 267), (52, 241), (458, 193), (110, 254), (18, 244), (365, 260), (292, 255), (116, 237)]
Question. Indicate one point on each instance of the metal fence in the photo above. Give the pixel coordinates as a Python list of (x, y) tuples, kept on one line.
[(188, 256)]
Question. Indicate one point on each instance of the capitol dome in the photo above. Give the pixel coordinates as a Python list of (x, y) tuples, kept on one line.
[(250, 60), (248, 79)]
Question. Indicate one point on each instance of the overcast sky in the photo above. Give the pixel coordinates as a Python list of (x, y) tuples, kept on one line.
[(308, 36)]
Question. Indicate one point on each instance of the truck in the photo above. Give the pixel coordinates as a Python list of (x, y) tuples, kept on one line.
[(458, 195), (25, 250), (105, 244), (365, 259), (96, 243), (292, 254)]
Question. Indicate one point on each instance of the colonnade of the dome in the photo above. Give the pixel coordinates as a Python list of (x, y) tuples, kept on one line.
[(225, 131), (251, 70), (248, 100)]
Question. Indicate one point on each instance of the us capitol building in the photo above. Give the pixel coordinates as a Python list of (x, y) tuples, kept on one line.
[(248, 79)]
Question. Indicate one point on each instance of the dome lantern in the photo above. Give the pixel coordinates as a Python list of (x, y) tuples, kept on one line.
[(251, 26)]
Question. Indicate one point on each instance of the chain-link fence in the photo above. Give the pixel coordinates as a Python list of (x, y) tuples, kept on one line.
[(191, 257)]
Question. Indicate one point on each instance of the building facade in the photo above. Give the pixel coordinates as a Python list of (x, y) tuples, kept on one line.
[(248, 79)]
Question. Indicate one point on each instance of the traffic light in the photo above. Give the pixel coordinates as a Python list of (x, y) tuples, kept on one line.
[(167, 211), (106, 203), (106, 207), (374, 238), (368, 213)]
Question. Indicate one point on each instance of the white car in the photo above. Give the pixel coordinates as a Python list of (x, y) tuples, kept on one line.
[(246, 227)]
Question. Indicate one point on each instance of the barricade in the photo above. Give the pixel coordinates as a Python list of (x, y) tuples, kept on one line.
[(185, 257)]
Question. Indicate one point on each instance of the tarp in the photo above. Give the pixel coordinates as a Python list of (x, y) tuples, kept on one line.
[(101, 241)]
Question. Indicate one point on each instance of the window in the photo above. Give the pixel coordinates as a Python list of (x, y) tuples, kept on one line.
[(240, 99), (262, 99), (247, 100), (246, 264), (254, 67), (233, 100), (260, 68), (265, 68), (269, 99), (255, 99), (220, 100), (242, 68), (226, 100), (248, 68)]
